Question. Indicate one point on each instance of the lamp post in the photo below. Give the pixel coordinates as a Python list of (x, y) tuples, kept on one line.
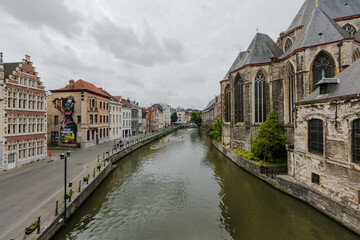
[(63, 156)]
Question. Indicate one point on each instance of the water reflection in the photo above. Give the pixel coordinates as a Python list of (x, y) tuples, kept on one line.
[(186, 189)]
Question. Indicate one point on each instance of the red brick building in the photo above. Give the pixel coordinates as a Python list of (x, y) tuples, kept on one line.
[(24, 120)]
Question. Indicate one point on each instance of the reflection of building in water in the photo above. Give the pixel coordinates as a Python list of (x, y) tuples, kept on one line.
[(78, 115), (23, 117)]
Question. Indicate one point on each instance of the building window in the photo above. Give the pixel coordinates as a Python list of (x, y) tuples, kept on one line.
[(260, 97), (56, 119), (11, 158), (78, 118), (91, 118), (291, 82), (96, 118), (315, 178), (356, 141), (88, 135), (227, 104), (239, 99), (316, 140), (322, 63), (350, 29), (288, 44)]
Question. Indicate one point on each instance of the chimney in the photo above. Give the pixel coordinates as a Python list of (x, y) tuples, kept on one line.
[(27, 58), (71, 84)]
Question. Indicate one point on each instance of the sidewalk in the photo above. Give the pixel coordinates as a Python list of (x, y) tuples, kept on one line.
[(29, 190)]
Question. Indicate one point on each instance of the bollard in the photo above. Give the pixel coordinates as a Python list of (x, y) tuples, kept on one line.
[(57, 208), (79, 185), (94, 172), (103, 155), (70, 184), (38, 228), (98, 157)]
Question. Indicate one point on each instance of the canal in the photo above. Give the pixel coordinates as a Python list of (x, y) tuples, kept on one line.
[(186, 189)]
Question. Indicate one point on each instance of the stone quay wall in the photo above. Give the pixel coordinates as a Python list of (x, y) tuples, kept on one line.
[(338, 211)]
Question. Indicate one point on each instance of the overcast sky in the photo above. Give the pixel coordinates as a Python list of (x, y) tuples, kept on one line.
[(168, 51)]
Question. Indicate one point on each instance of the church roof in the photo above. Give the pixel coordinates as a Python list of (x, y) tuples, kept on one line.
[(261, 50), (348, 85), (336, 9), (319, 29), (210, 105), (236, 62)]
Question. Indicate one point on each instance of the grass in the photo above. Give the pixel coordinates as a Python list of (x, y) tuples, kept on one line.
[(250, 156)]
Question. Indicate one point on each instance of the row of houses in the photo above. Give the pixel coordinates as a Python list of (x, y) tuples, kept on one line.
[(78, 115), (311, 78)]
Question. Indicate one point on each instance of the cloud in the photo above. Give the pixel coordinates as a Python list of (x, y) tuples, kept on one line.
[(146, 49), (53, 14)]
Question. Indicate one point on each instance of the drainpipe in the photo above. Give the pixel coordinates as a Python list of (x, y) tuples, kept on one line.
[(339, 58)]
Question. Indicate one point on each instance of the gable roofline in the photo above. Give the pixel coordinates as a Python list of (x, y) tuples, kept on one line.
[(313, 34), (336, 9), (81, 86)]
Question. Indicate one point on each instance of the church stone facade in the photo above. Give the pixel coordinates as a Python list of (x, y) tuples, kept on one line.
[(314, 59)]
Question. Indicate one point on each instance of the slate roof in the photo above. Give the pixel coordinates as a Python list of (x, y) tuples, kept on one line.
[(82, 85), (236, 62), (349, 85), (334, 8), (112, 98), (210, 105), (319, 29), (261, 50), (9, 68)]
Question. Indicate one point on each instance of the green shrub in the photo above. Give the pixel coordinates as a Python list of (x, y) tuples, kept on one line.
[(269, 144), (216, 133), (245, 154)]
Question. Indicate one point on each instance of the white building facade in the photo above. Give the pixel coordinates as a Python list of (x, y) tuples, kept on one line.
[(166, 109), (181, 117), (115, 112), (126, 121)]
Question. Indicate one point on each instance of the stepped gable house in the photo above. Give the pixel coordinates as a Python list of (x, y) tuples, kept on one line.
[(24, 114), (78, 115), (271, 75)]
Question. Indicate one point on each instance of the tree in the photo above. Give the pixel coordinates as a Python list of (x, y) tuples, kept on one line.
[(174, 117), (195, 117), (270, 142), (216, 133)]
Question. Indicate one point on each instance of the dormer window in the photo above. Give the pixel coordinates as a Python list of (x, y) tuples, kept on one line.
[(288, 44), (350, 29), (327, 84)]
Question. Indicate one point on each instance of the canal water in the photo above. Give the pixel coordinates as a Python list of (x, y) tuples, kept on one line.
[(186, 189)]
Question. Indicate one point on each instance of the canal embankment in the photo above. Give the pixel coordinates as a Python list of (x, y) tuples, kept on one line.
[(96, 171), (339, 212)]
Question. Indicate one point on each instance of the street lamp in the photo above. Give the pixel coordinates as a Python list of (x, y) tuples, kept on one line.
[(63, 156)]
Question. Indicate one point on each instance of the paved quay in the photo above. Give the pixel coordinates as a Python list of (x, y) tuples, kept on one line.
[(31, 190)]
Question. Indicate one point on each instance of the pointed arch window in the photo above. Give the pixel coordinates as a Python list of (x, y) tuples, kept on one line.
[(291, 82), (239, 99), (356, 141), (322, 63), (260, 97), (227, 104), (350, 29), (288, 44), (356, 55)]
